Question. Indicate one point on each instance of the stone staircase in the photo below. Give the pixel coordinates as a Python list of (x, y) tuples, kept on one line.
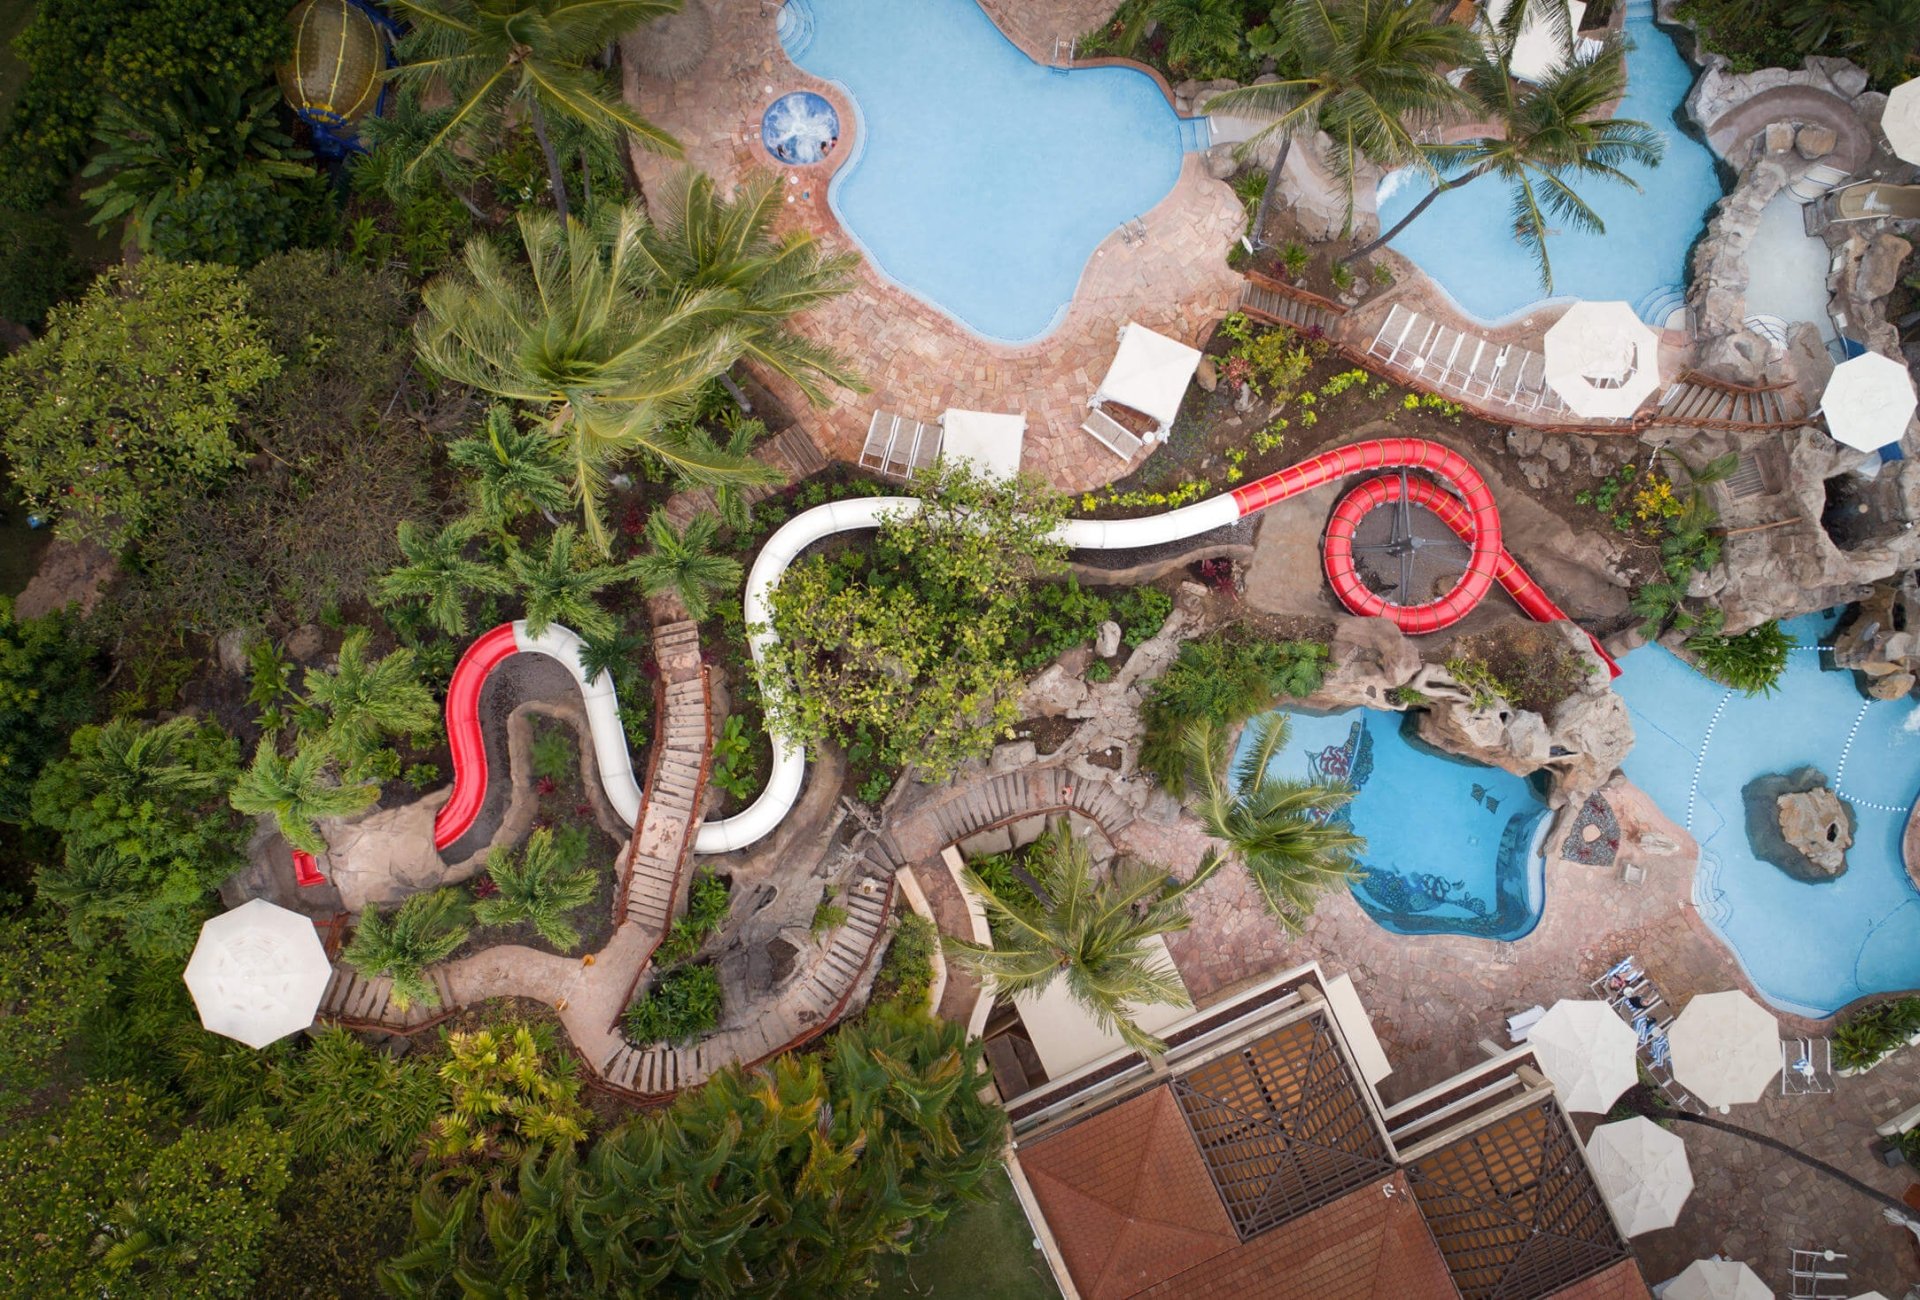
[(1298, 310), (792, 451), (663, 837), (356, 1002), (1012, 797)]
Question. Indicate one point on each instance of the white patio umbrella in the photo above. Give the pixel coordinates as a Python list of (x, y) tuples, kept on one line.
[(1901, 120), (1643, 1172), (258, 973), (1726, 1048), (1588, 1052), (1868, 401), (1717, 1279), (1603, 359)]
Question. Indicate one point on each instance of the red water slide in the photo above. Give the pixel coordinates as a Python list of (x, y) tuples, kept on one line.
[(1468, 509), (465, 735)]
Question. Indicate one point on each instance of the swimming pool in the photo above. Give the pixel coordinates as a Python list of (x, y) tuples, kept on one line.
[(982, 182), (1809, 948), (1462, 859), (1465, 241)]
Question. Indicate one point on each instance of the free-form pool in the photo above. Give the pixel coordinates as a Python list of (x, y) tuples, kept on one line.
[(1465, 240), (981, 181), (1452, 847), (1810, 948)]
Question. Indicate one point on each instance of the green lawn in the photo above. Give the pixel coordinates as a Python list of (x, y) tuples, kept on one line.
[(984, 1250)]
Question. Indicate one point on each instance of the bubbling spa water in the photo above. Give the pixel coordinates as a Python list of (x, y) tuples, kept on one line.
[(800, 128)]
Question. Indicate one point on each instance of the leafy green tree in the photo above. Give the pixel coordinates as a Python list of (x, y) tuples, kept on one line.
[(166, 160), (49, 988), (367, 701), (682, 562), (1090, 931), (792, 1180), (1553, 134), (1223, 679), (440, 572), (298, 791), (908, 652), (703, 243), (592, 339), (423, 930), (1199, 33), (684, 1003), (1281, 831), (125, 407), (536, 56), (145, 829), (1371, 74), (48, 686), (342, 1095), (509, 1092), (1882, 36), (510, 471), (561, 586), (541, 886)]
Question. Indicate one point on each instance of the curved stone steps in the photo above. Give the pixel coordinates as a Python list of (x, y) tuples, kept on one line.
[(354, 1000)]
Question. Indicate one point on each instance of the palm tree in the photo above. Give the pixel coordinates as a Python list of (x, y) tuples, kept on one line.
[(1369, 73), (702, 243), (1882, 36), (540, 887), (683, 562), (1089, 931), (589, 335), (1281, 831), (440, 572), (1198, 31), (297, 792), (1551, 135), (368, 700), (425, 929), (510, 471), (558, 588), (492, 55), (729, 501)]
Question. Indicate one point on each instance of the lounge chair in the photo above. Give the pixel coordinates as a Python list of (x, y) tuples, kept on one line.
[(1872, 200), (1386, 344), (1433, 356), (1486, 377)]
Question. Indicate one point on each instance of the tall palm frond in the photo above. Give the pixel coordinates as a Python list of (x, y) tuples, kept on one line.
[(510, 471), (559, 587), (538, 885), (683, 562), (439, 572), (367, 700), (423, 930), (297, 792)]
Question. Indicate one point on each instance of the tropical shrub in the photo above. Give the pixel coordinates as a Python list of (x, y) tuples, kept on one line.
[(48, 686), (363, 702), (905, 977), (707, 902), (339, 1219), (1879, 35), (423, 930), (509, 1091), (146, 832), (1222, 679), (1866, 1036), (37, 268), (343, 1096), (540, 885), (683, 1003), (1752, 662), (125, 408), (297, 791), (48, 987)]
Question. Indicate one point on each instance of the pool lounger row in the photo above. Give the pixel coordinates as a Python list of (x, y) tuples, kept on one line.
[(1628, 990), (1476, 369)]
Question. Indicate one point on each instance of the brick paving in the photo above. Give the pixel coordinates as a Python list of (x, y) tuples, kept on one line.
[(917, 361)]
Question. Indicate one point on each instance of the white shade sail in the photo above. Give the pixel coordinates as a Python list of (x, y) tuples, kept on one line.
[(1602, 359), (1868, 401), (1717, 1279), (1150, 373), (1901, 120), (990, 443), (1539, 48), (1066, 1036), (1726, 1048), (258, 973), (1643, 1172), (1588, 1052)]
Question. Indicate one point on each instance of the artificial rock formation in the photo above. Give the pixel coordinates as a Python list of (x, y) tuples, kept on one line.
[(1881, 639), (1799, 824), (1815, 823)]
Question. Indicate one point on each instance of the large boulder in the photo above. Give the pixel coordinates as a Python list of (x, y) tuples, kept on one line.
[(1369, 658), (1052, 694), (1816, 823)]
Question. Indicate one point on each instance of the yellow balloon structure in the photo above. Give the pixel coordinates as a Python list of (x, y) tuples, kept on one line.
[(332, 78)]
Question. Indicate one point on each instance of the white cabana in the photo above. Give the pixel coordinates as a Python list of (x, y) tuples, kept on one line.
[(1150, 373), (1539, 48), (1588, 1051), (1643, 1172), (1900, 120), (1066, 1035), (1716, 1279), (990, 443), (1726, 1048), (258, 973), (1868, 401), (1602, 359)]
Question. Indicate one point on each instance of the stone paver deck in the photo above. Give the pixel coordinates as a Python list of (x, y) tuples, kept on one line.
[(916, 360)]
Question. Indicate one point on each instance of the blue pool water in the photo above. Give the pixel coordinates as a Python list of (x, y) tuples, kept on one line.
[(1465, 240), (1452, 847), (1810, 948), (982, 182)]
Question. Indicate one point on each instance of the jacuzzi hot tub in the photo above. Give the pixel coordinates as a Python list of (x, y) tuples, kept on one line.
[(800, 128)]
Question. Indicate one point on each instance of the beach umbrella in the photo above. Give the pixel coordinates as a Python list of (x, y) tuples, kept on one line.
[(1900, 120), (672, 45), (1643, 1172), (1868, 401), (1726, 1048), (1717, 1279), (1588, 1052), (1602, 359), (258, 973)]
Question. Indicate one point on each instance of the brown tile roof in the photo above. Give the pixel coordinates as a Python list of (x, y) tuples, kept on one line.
[(1621, 1282), (1127, 1197), (1366, 1246)]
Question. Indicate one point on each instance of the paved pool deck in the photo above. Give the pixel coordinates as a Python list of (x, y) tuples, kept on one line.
[(918, 361)]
